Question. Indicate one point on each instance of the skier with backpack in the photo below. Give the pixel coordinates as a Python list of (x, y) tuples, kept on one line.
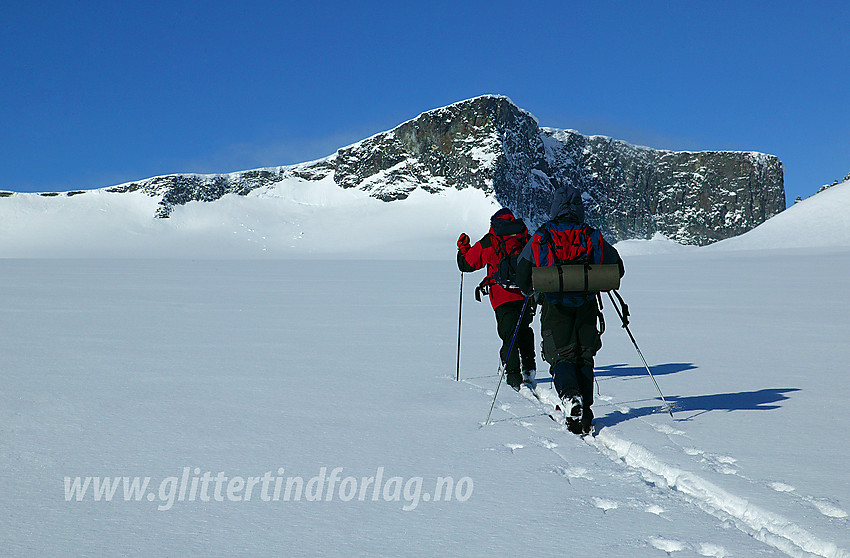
[(499, 250), (568, 320)]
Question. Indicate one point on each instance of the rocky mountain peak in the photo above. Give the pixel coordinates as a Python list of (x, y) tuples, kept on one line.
[(458, 146), (630, 192), (491, 144)]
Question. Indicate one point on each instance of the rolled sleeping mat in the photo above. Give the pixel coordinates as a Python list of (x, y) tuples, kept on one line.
[(575, 277)]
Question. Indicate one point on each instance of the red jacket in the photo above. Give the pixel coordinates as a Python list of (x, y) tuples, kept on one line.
[(488, 252)]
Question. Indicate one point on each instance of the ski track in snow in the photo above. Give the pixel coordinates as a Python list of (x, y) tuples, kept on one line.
[(759, 523), (726, 465)]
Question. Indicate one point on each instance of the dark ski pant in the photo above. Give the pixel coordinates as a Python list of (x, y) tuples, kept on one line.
[(570, 341), (507, 316)]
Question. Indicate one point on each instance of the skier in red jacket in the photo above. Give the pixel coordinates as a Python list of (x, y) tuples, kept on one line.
[(507, 237)]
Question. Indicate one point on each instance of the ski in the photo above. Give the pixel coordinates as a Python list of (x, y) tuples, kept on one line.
[(552, 410), (551, 406)]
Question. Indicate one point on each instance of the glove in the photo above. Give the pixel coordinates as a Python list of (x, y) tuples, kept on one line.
[(463, 243)]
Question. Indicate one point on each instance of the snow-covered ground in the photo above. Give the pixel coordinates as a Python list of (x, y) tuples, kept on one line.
[(333, 377), (822, 220), (125, 368), (292, 219)]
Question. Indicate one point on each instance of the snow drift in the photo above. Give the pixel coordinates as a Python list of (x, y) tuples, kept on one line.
[(821, 221)]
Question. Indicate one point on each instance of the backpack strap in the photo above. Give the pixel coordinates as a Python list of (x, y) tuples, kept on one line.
[(600, 314), (550, 241), (501, 248), (586, 268), (483, 288)]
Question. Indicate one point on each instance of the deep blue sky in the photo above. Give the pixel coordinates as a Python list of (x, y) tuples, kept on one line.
[(97, 93)]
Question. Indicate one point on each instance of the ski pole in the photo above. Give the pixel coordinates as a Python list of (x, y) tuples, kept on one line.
[(459, 314), (504, 364), (501, 374), (624, 317)]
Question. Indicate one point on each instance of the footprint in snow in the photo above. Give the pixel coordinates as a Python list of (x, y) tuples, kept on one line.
[(578, 473), (829, 509), (605, 505), (657, 510), (667, 545), (782, 487), (572, 472), (548, 444), (669, 430), (712, 550), (826, 507), (723, 464)]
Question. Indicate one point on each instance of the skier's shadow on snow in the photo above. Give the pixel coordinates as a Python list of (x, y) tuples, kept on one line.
[(687, 408), (625, 371)]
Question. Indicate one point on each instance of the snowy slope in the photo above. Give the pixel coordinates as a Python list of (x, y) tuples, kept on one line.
[(292, 218), (658, 244), (160, 369), (318, 219), (822, 220)]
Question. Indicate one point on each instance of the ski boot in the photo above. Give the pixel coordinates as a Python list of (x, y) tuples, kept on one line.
[(574, 411), (514, 379)]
